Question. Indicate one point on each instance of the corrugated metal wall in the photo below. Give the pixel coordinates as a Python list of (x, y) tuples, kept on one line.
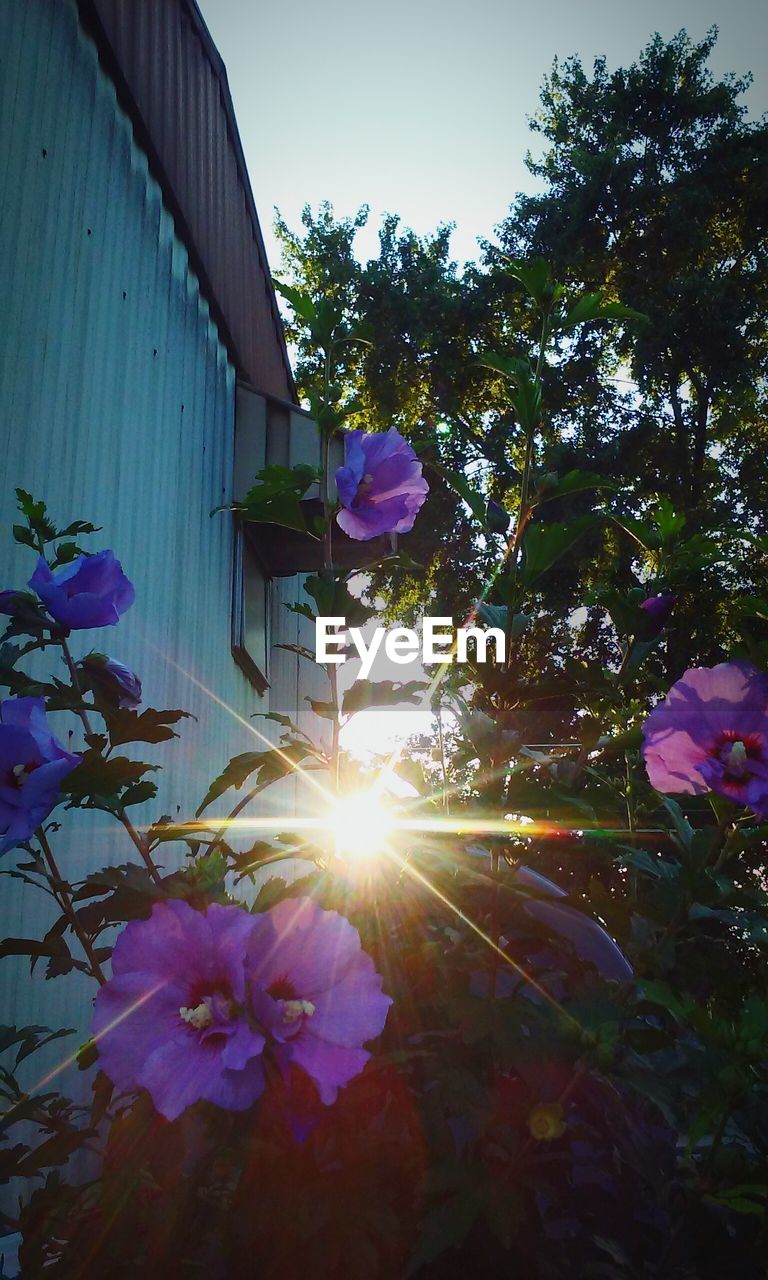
[(117, 406), (176, 88)]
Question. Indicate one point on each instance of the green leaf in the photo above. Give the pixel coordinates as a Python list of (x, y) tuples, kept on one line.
[(29, 617), (301, 302), (239, 769), (17, 681), (660, 993), (527, 403), (574, 481), (276, 496), (246, 861), (545, 544), (747, 1197), (147, 726), (682, 827), (509, 366), (78, 527), (326, 710), (303, 610), (24, 536), (139, 793), (643, 533), (33, 947), (668, 521), (752, 607), (285, 721), (29, 1039), (54, 1151), (66, 552), (593, 307), (270, 893), (474, 499), (493, 615), (98, 780), (334, 599), (535, 275), (36, 515), (270, 766), (364, 694)]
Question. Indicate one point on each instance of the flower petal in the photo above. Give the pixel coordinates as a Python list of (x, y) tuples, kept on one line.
[(134, 1014), (330, 1066), (298, 940), (354, 1009)]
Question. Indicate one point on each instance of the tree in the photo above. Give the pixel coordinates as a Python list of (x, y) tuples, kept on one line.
[(655, 192), (656, 188)]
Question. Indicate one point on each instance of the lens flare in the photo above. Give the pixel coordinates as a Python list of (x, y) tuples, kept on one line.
[(361, 825)]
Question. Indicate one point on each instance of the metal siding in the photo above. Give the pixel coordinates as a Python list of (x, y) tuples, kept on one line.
[(175, 88), (118, 406)]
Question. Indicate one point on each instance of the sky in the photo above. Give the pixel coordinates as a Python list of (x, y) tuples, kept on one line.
[(419, 107)]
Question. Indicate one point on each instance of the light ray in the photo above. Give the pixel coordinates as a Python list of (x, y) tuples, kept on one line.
[(424, 880), (305, 774), (73, 1057)]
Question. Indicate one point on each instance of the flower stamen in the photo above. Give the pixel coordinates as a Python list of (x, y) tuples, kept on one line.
[(295, 1009), (735, 759), (200, 1017)]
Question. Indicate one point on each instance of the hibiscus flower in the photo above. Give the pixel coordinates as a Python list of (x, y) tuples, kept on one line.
[(711, 734)]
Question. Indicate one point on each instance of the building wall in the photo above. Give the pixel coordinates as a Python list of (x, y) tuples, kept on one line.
[(169, 73), (117, 407)]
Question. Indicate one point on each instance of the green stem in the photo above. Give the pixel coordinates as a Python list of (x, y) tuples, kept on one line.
[(120, 814), (331, 669), (443, 765), (62, 895)]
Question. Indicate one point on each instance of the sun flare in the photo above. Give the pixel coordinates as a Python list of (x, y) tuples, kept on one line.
[(361, 824)]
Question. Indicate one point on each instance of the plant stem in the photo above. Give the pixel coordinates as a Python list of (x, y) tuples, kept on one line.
[(121, 815), (63, 897), (74, 677), (443, 765), (331, 671)]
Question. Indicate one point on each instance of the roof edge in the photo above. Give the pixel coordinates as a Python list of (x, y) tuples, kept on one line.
[(92, 24)]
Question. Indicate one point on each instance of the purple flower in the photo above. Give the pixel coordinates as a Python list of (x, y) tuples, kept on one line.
[(711, 734), (92, 591), (108, 677), (172, 1018), (315, 991), (380, 486), (33, 764), (658, 611)]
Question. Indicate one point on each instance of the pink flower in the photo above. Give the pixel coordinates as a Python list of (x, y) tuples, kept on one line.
[(315, 992), (711, 734), (172, 1018), (380, 486)]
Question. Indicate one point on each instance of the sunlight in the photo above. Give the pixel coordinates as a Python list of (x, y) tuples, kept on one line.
[(361, 825)]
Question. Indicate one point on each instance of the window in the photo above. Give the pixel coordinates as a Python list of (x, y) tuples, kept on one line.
[(251, 623), (268, 432), (250, 582)]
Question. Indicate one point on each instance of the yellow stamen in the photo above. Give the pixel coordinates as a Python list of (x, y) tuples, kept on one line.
[(200, 1017), (295, 1009)]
